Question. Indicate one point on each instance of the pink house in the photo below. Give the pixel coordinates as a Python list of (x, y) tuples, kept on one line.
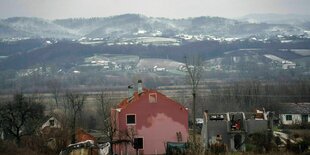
[(147, 120)]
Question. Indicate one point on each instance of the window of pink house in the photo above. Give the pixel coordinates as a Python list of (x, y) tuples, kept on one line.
[(131, 119), (153, 98)]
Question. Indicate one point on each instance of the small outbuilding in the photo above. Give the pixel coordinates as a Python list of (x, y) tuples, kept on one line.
[(294, 113)]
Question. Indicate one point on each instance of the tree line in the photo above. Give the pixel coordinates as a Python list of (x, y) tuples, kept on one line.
[(248, 95)]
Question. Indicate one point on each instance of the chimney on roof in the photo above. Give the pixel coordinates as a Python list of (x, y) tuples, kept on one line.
[(140, 89), (130, 91), (206, 113)]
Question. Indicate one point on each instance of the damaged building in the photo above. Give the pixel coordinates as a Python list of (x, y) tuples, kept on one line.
[(229, 130)]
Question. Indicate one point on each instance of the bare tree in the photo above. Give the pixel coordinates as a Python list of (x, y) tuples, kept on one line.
[(194, 69), (104, 103), (74, 103), (55, 87), (108, 117), (20, 117)]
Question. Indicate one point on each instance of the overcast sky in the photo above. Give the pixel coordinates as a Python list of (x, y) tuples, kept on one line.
[(55, 9)]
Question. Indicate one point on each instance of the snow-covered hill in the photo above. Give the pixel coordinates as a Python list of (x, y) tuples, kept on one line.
[(134, 25)]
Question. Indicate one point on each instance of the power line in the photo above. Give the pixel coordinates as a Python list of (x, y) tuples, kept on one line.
[(230, 95), (281, 96)]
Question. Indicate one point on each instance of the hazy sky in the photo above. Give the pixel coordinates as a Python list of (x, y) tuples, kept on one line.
[(52, 9)]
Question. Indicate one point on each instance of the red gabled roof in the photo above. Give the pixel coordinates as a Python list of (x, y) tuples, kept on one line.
[(124, 103), (135, 97)]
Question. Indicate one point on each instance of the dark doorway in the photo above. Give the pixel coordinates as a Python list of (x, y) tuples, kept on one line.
[(138, 143), (304, 118), (238, 141)]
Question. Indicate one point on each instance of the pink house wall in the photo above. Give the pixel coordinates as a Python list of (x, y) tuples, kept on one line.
[(157, 123)]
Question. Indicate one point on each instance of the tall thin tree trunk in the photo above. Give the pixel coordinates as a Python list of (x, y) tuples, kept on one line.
[(73, 130), (18, 139), (194, 116)]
